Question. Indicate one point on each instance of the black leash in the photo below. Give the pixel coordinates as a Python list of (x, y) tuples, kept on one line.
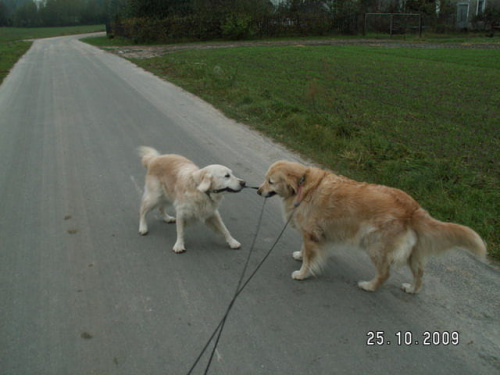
[(239, 289), (220, 327), (208, 192), (236, 292)]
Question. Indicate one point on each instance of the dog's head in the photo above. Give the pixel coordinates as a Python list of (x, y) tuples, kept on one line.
[(217, 179), (283, 178)]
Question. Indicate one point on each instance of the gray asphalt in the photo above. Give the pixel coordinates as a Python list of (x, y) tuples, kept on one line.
[(81, 292)]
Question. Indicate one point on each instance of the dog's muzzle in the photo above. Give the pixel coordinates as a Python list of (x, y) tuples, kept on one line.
[(229, 190), (267, 195)]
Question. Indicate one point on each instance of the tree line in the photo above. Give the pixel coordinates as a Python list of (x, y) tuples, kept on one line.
[(50, 13), (170, 20)]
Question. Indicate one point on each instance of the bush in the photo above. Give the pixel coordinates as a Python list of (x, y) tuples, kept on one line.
[(237, 27), (229, 24), (167, 30)]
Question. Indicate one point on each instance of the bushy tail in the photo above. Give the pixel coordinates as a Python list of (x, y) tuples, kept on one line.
[(435, 236), (147, 154)]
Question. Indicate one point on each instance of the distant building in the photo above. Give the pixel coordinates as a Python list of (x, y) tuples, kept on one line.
[(468, 10), (464, 14)]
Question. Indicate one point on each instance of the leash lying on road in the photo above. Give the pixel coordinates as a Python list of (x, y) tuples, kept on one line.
[(241, 286)]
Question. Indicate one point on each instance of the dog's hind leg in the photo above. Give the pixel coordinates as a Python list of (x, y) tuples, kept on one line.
[(383, 272), (151, 198), (217, 225), (416, 266), (391, 244), (148, 203)]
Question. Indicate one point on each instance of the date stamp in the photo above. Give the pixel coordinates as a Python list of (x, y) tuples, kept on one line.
[(408, 338)]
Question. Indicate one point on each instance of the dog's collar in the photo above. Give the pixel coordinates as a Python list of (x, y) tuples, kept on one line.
[(217, 191), (300, 192), (209, 194)]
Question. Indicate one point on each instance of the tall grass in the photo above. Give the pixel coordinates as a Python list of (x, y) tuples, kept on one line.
[(423, 120)]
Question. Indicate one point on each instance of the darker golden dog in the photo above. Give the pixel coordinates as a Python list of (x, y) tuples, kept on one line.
[(386, 222)]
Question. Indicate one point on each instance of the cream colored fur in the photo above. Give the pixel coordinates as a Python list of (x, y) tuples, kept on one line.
[(173, 179), (386, 222)]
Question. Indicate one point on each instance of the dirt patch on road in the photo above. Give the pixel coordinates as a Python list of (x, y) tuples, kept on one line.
[(144, 52)]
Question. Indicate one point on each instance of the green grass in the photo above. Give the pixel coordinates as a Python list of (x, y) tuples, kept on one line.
[(13, 46), (100, 41), (8, 34), (10, 52), (423, 120)]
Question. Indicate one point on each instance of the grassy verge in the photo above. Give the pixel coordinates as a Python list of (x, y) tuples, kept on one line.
[(10, 52), (8, 34), (12, 46), (465, 39), (423, 120)]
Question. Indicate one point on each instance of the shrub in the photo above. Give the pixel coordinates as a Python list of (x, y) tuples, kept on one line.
[(237, 27)]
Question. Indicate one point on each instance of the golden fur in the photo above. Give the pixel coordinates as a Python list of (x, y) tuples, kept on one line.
[(195, 193), (386, 222)]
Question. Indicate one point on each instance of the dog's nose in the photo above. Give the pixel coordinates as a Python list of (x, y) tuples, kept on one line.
[(259, 191), (242, 183)]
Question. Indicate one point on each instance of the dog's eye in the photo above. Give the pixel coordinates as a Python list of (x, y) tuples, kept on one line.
[(227, 175)]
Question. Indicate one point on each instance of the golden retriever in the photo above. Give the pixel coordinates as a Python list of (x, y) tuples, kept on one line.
[(195, 193), (386, 222)]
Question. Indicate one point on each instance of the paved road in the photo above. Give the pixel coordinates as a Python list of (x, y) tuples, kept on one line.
[(82, 293)]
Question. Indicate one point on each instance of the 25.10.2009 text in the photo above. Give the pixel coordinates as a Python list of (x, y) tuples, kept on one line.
[(408, 338)]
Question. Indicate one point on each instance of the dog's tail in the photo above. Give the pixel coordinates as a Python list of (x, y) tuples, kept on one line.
[(435, 236), (147, 154)]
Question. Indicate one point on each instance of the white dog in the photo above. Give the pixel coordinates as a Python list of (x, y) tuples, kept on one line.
[(195, 193)]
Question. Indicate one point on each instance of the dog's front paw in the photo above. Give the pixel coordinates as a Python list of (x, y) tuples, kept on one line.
[(143, 231), (366, 285), (408, 288), (297, 255), (233, 244), (178, 248), (297, 275)]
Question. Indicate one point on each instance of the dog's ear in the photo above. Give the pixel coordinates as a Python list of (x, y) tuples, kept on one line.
[(294, 177), (204, 180), (292, 182)]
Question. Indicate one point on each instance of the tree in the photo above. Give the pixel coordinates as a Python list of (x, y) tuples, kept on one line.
[(62, 12), (427, 7), (27, 15), (4, 14), (93, 12), (158, 9)]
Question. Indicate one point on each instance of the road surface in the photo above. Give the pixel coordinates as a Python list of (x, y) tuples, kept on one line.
[(81, 292)]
